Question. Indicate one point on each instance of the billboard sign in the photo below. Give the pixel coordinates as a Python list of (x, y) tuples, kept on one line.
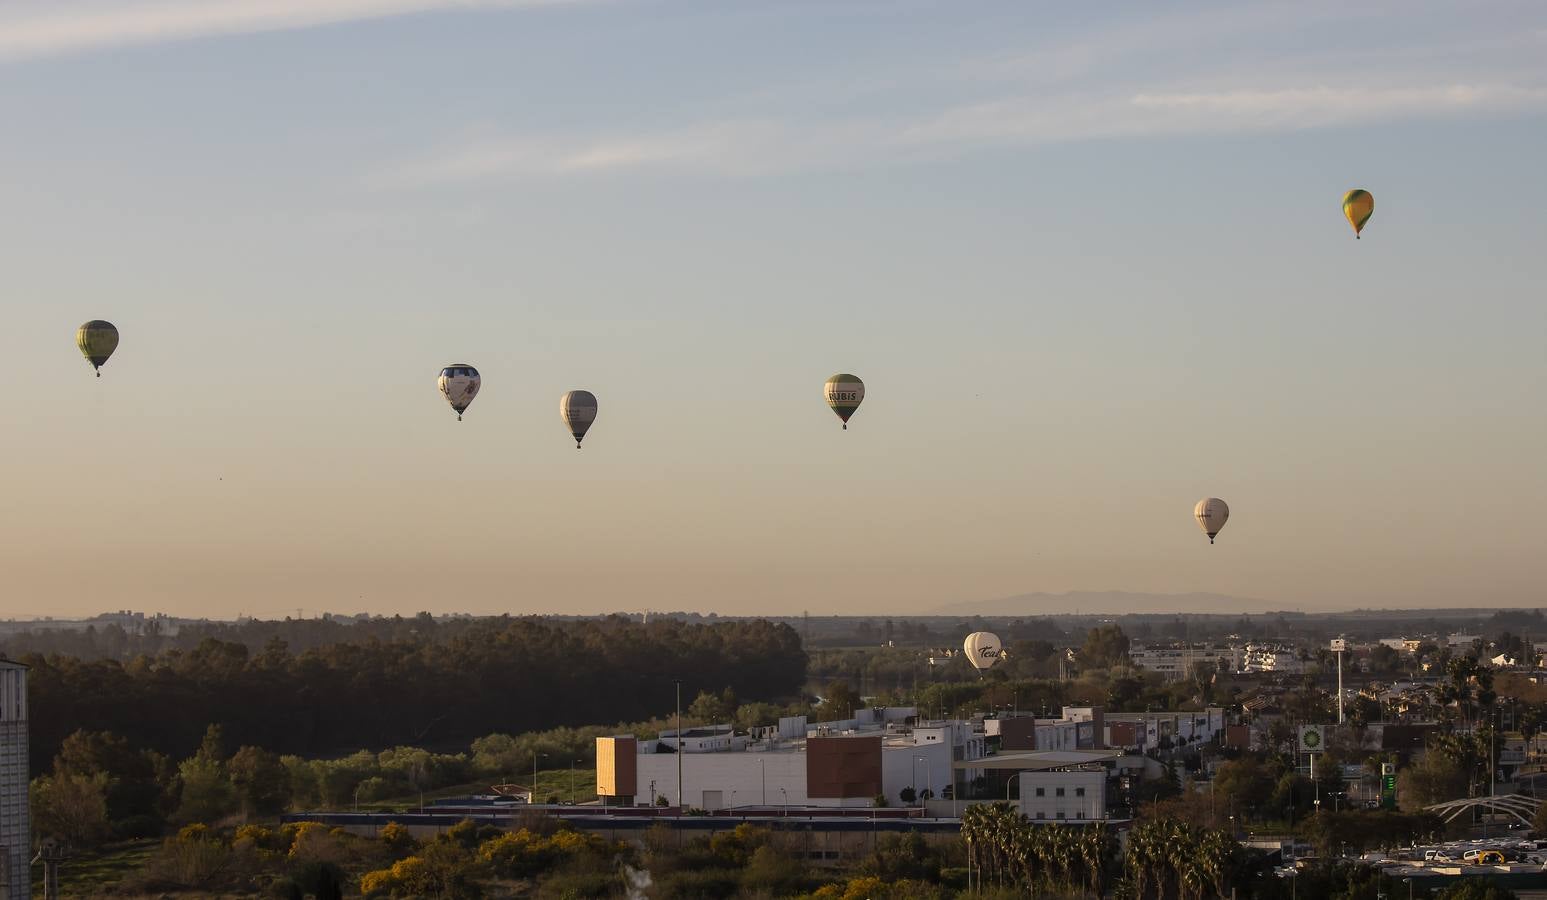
[(1339, 645), (1312, 739)]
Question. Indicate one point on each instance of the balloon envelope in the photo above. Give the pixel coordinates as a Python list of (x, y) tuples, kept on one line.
[(578, 409), (1211, 513), (982, 649), (844, 393), (97, 340), (459, 383), (1358, 204)]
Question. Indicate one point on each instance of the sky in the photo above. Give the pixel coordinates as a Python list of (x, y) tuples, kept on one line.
[(1089, 260)]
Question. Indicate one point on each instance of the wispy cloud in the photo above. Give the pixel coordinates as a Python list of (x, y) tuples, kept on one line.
[(779, 145), (37, 28)]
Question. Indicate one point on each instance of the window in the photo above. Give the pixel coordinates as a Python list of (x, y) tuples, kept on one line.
[(1079, 792), (1041, 792), (1060, 814), (1041, 815), (1060, 792)]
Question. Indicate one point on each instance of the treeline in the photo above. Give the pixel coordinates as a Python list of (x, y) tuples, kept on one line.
[(440, 690)]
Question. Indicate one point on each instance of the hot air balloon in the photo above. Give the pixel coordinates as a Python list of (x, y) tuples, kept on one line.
[(459, 383), (578, 409), (1357, 206), (844, 394), (1211, 513), (97, 340), (982, 649)]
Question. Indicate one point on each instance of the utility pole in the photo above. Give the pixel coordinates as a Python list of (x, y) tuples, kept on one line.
[(1338, 645), (678, 683)]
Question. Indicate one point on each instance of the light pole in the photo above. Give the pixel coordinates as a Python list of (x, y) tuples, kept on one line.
[(733, 802), (762, 765), (357, 795), (533, 797), (1409, 883), (573, 765), (1010, 782), (786, 802), (678, 683)]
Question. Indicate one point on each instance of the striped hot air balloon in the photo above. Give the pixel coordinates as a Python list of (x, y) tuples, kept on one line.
[(97, 340), (1358, 204), (578, 409), (844, 394)]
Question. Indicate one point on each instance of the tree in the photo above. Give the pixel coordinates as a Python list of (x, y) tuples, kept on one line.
[(841, 700), (1384, 659), (207, 793), (1434, 779), (1476, 889), (1243, 783), (135, 778), (907, 795), (1105, 647), (262, 782), (71, 807)]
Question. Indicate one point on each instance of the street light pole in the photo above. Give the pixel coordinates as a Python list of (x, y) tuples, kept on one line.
[(678, 683), (762, 765)]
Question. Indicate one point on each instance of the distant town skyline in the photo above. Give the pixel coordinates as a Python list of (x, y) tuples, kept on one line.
[(1089, 262)]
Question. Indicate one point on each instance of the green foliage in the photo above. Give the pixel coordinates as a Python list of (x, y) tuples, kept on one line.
[(1105, 647), (262, 782), (1051, 859), (398, 681), (1476, 889), (71, 807)]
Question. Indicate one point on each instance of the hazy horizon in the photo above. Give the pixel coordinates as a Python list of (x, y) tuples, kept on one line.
[(1089, 263)]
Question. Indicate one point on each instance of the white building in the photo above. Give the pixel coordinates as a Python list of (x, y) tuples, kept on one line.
[(1172, 661), (828, 766), (1272, 658), (1064, 796), (15, 828)]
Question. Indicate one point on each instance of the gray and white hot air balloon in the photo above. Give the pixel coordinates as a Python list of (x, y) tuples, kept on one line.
[(982, 649), (578, 409), (459, 384), (1211, 513)]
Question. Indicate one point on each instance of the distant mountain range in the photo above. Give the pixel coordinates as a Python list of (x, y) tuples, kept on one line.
[(1102, 603)]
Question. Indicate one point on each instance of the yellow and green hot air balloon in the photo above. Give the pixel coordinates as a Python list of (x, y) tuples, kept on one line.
[(844, 393), (1357, 206), (97, 340)]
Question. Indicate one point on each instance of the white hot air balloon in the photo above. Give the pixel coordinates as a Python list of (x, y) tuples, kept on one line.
[(1211, 513), (459, 384), (578, 409), (982, 649)]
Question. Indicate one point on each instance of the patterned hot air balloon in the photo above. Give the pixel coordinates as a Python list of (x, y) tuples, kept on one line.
[(97, 340), (459, 383), (844, 394), (1357, 206), (578, 410), (1211, 513)]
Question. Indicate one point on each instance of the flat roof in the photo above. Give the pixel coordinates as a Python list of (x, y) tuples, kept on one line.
[(1033, 760)]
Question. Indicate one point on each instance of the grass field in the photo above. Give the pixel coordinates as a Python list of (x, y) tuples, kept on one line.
[(92, 874)]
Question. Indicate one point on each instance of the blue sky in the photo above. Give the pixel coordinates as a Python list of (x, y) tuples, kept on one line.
[(1090, 263)]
